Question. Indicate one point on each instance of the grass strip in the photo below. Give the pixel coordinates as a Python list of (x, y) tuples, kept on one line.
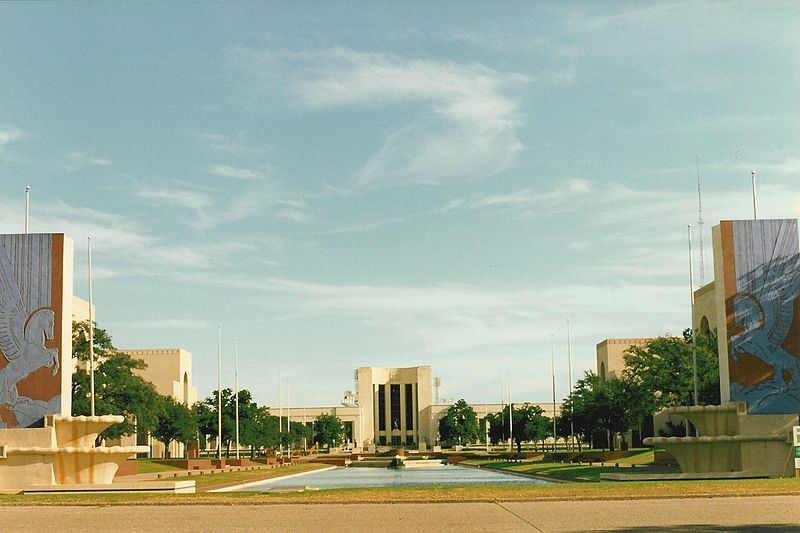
[(439, 494)]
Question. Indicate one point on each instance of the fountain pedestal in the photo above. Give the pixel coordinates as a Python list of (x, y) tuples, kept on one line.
[(731, 440), (60, 453)]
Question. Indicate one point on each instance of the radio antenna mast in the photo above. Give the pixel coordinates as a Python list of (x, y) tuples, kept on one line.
[(700, 224)]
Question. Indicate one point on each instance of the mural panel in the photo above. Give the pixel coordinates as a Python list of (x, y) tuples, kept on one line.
[(31, 328), (762, 306)]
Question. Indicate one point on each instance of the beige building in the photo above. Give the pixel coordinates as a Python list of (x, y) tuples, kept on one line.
[(170, 370), (392, 407), (610, 355)]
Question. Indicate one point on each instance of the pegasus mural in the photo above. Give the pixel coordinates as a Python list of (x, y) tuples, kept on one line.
[(767, 264), (26, 324)]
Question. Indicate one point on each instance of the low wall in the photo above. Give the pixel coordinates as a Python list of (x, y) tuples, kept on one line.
[(128, 468)]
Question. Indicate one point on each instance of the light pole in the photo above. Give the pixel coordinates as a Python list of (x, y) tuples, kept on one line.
[(236, 386), (91, 324), (691, 300), (572, 407), (553, 373), (27, 206), (219, 391)]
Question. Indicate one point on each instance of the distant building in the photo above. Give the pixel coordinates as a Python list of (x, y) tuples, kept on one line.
[(170, 370), (393, 406), (610, 355)]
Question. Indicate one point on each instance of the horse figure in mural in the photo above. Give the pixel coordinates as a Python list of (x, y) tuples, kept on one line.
[(22, 343), (765, 313)]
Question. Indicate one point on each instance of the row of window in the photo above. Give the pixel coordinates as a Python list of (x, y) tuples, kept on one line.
[(395, 414)]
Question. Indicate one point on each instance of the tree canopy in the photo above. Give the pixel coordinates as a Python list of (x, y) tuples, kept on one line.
[(176, 422), (663, 366), (529, 424), (459, 425), (118, 390), (328, 430)]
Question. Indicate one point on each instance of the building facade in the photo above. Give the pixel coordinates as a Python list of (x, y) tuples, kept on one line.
[(393, 407), (610, 354), (170, 370)]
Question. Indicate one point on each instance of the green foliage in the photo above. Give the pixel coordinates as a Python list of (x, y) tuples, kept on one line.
[(118, 390), (529, 424), (80, 341), (248, 418), (263, 432), (663, 368), (459, 425), (176, 422), (328, 429), (613, 406)]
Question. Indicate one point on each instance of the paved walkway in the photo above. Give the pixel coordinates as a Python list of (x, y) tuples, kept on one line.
[(757, 513)]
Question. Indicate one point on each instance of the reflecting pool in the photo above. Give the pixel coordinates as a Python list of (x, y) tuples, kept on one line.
[(341, 478)]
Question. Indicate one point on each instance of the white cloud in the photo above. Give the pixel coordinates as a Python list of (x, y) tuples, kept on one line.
[(189, 199), (464, 125), (240, 173), (80, 159), (165, 323), (8, 134)]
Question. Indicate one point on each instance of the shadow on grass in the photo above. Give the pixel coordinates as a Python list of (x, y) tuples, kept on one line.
[(694, 528)]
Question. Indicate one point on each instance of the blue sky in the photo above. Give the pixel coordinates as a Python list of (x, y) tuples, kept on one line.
[(345, 185)]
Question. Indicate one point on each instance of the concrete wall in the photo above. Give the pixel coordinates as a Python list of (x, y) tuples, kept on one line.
[(610, 356)]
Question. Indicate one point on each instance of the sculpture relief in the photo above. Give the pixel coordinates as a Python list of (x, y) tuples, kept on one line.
[(26, 323)]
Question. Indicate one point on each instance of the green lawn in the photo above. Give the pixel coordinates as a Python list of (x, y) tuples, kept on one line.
[(569, 471), (149, 466), (455, 494)]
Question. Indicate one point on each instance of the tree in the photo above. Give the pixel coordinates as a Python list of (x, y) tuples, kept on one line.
[(298, 434), (176, 422), (208, 420), (328, 430), (596, 405), (459, 425), (528, 421), (663, 366), (80, 341), (118, 390), (263, 432)]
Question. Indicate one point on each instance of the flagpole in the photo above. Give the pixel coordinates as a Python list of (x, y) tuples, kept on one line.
[(236, 385), (219, 391), (91, 325), (280, 414), (553, 373), (288, 423), (510, 416), (572, 407), (691, 299), (27, 206), (755, 206)]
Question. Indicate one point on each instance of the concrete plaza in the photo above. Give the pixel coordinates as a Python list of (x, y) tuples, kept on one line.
[(756, 513)]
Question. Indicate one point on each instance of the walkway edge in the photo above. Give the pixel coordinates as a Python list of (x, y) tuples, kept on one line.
[(241, 486)]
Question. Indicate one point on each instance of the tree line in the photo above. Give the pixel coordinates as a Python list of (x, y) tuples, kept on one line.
[(656, 375), (119, 390)]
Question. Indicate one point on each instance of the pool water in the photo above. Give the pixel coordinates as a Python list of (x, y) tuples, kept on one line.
[(341, 478)]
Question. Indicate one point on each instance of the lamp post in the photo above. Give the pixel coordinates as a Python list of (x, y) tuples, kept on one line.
[(219, 391), (91, 323), (553, 373), (572, 407), (236, 387), (27, 206)]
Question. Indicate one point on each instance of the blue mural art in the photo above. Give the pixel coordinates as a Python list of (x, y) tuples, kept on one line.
[(761, 328)]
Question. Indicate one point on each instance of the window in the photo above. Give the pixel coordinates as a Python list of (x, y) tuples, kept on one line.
[(409, 406), (395, 440), (409, 440), (381, 407), (395, 407)]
